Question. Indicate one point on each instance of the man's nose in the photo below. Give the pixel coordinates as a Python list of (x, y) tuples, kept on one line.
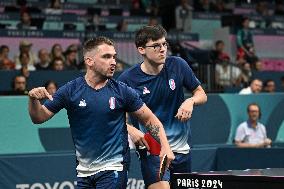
[(113, 61), (163, 48)]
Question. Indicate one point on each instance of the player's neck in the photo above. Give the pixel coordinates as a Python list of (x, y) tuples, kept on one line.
[(151, 68), (95, 81)]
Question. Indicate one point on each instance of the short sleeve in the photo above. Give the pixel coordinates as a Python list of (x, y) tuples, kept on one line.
[(240, 133), (264, 130), (59, 100), (132, 100), (189, 79)]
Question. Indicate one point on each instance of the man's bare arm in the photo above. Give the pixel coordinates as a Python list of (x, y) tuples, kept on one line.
[(39, 113), (265, 143), (136, 136), (156, 129), (199, 96), (185, 110), (151, 122)]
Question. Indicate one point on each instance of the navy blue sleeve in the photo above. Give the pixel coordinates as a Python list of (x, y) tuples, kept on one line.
[(122, 77), (59, 100), (189, 79), (132, 100)]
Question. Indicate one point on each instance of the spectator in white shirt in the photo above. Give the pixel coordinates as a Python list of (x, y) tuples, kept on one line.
[(255, 87), (251, 133)]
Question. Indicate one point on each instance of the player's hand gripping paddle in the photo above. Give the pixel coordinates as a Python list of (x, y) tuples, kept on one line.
[(155, 149)]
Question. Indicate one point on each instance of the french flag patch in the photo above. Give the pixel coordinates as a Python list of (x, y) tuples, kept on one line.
[(172, 84), (111, 103)]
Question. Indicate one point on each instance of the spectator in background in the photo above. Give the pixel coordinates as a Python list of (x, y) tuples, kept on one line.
[(94, 23), (251, 133), (255, 87), (57, 64), (70, 62), (25, 47), (4, 52), (245, 43), (73, 47), (218, 53), (246, 74), (137, 8), (151, 7), (183, 16), (262, 8), (244, 36), (25, 72), (153, 21), (122, 26), (26, 22), (56, 52), (55, 4), (55, 7), (241, 59), (7, 64), (44, 61), (51, 87), (219, 6), (257, 66), (269, 86), (226, 74), (19, 85), (24, 61)]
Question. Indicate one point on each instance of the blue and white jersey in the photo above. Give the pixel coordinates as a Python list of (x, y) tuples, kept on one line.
[(97, 122), (163, 94)]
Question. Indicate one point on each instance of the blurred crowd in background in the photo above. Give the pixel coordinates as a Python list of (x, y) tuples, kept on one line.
[(228, 71)]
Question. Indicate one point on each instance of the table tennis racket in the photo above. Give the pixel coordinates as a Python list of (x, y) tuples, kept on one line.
[(163, 167), (154, 145)]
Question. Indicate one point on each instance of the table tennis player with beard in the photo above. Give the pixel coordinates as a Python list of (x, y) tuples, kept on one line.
[(96, 106)]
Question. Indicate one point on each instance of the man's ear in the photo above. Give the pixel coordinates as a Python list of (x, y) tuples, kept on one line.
[(141, 50), (89, 61)]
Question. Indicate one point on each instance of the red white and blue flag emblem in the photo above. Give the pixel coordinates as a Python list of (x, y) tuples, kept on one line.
[(172, 84), (111, 103)]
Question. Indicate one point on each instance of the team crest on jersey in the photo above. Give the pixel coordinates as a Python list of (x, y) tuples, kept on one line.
[(145, 90), (82, 103), (111, 103), (172, 84)]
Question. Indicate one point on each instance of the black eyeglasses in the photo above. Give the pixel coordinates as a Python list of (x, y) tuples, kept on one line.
[(158, 46)]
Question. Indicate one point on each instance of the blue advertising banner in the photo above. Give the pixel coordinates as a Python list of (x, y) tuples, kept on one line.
[(50, 171)]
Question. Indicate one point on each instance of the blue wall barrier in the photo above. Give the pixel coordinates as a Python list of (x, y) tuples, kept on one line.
[(42, 156), (57, 170), (50, 170), (212, 123)]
